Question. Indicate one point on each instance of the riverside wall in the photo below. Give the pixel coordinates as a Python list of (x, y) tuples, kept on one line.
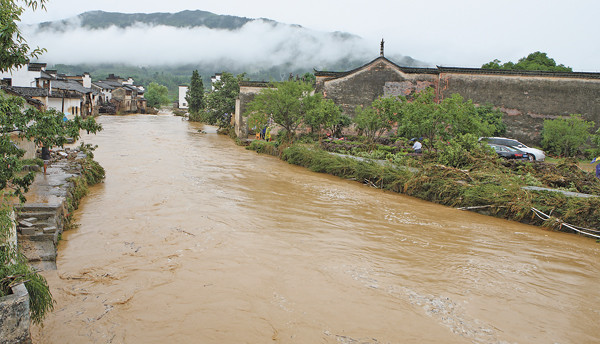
[(14, 317), (527, 98)]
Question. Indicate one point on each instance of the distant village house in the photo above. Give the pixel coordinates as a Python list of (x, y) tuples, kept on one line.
[(74, 95)]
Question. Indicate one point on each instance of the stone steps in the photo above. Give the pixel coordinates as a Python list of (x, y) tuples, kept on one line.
[(38, 228)]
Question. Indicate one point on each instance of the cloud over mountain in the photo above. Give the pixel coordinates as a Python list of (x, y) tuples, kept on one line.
[(195, 37)]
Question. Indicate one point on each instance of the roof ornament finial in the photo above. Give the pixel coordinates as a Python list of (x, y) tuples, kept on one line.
[(381, 49)]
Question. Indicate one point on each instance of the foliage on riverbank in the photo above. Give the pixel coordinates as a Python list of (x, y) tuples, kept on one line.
[(91, 173), (15, 270), (484, 182)]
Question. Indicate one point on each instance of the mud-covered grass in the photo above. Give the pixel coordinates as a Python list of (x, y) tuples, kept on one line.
[(91, 173), (264, 147), (489, 185)]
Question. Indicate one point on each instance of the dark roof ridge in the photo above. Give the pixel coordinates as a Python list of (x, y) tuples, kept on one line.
[(248, 83), (587, 75), (441, 69), (404, 69)]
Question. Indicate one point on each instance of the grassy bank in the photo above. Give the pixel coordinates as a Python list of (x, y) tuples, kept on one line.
[(91, 173), (489, 185)]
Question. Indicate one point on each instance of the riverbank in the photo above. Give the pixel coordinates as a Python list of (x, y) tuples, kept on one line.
[(490, 186), (51, 199), (36, 227)]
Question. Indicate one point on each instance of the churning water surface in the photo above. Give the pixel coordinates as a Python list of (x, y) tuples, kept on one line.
[(192, 239)]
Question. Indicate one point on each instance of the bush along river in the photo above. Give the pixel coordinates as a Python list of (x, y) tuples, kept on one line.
[(192, 238)]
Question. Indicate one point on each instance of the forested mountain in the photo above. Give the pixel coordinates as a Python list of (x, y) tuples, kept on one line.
[(103, 20)]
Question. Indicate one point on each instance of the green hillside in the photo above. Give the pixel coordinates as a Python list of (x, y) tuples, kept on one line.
[(102, 20)]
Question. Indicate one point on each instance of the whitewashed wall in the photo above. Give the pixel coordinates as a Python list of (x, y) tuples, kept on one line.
[(182, 93)]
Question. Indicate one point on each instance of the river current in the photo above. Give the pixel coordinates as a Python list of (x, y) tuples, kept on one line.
[(192, 239)]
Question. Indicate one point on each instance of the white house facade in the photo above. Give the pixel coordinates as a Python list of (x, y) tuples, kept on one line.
[(182, 93), (24, 76)]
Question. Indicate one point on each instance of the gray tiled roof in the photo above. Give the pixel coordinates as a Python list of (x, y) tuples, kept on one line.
[(45, 75), (102, 85), (31, 91), (70, 85), (29, 99)]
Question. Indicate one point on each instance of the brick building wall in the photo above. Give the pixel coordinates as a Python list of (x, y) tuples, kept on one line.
[(527, 98), (248, 90), (380, 77)]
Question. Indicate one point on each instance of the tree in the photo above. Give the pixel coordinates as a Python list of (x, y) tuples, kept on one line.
[(379, 117), (453, 116), (421, 117), (565, 136), (337, 125), (324, 113), (533, 61), (285, 102), (45, 128), (157, 95), (14, 51), (195, 95), (493, 118), (315, 116), (333, 119), (220, 103), (42, 127)]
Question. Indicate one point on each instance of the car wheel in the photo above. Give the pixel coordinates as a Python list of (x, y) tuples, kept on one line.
[(531, 157)]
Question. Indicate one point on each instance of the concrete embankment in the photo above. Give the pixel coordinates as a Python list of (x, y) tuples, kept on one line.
[(42, 219)]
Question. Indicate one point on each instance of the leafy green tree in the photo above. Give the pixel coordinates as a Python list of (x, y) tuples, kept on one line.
[(220, 103), (14, 50), (453, 116), (369, 122), (157, 95), (195, 95), (333, 119), (310, 78), (461, 151), (42, 127), (421, 117), (338, 123), (461, 117), (286, 103), (493, 118), (315, 116), (324, 113), (495, 64), (45, 128), (565, 136), (380, 117), (533, 61)]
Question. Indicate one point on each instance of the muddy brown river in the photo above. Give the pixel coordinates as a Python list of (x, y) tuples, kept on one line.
[(192, 239)]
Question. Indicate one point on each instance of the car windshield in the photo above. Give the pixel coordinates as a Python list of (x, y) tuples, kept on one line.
[(506, 142)]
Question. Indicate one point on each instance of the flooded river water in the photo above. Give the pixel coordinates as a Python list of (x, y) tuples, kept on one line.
[(192, 239)]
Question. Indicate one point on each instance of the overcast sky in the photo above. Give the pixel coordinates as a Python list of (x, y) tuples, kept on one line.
[(461, 33)]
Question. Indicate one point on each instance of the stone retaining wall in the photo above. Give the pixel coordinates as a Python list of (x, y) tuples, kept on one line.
[(14, 317)]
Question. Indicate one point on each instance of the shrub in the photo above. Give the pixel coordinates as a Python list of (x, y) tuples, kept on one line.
[(264, 147), (565, 136), (459, 152), (14, 270)]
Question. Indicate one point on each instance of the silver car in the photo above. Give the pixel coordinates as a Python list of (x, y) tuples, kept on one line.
[(534, 153)]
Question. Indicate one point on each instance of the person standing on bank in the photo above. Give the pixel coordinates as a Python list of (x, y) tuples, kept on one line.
[(417, 147), (45, 157)]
